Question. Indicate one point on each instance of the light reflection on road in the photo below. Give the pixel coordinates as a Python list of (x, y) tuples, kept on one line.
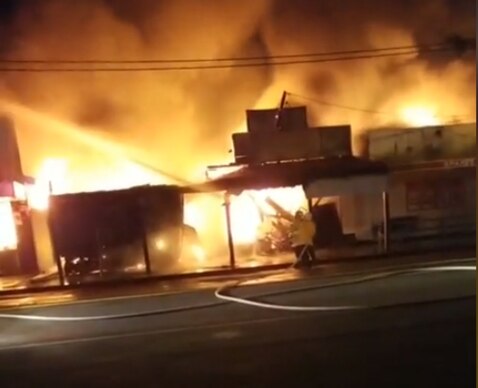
[(37, 300)]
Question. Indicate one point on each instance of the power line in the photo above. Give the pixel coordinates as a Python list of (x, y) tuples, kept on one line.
[(214, 67), (229, 59), (363, 110), (326, 103)]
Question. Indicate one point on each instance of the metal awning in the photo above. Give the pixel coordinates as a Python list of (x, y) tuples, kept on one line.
[(331, 175), (318, 177), (360, 184)]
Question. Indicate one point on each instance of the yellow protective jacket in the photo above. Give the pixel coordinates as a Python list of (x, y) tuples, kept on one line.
[(303, 232)]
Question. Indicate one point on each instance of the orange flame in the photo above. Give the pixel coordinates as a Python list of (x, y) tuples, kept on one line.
[(419, 116)]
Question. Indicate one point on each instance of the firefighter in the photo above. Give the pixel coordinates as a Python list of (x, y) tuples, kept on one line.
[(302, 238)]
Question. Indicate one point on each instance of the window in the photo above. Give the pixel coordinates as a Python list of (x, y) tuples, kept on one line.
[(435, 194)]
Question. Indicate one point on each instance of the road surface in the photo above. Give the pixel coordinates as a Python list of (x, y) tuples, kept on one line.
[(419, 332), (138, 288)]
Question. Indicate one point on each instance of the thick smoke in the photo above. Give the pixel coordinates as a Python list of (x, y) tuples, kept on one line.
[(181, 121), (446, 83)]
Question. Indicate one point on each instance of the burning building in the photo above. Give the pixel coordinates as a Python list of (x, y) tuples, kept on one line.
[(183, 120), (17, 253), (281, 151), (281, 165), (110, 233)]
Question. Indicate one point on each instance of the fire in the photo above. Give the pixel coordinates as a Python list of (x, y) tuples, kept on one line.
[(55, 177), (247, 207), (245, 218), (121, 174), (419, 116), (205, 212), (8, 232), (290, 199), (194, 215), (246, 210), (51, 179), (199, 253), (113, 170)]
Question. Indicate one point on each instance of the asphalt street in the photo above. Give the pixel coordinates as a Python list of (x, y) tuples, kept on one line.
[(417, 330), (155, 287)]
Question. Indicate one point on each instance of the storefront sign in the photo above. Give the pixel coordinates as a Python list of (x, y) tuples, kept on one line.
[(460, 163)]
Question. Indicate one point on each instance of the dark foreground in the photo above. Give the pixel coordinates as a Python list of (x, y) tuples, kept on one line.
[(426, 339)]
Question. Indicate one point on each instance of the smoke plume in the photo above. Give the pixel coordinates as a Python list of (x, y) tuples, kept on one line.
[(181, 121)]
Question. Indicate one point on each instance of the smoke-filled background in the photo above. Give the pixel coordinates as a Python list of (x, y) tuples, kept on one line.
[(181, 121)]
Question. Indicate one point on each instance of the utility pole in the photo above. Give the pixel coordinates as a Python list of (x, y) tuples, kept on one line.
[(386, 221), (279, 111)]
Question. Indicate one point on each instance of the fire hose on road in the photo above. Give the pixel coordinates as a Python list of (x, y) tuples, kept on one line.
[(222, 294), (223, 297)]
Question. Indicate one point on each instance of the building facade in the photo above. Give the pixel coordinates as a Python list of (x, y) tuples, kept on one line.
[(17, 250), (432, 183)]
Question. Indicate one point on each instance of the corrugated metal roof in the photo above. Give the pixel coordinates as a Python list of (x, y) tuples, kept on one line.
[(119, 192), (288, 174)]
